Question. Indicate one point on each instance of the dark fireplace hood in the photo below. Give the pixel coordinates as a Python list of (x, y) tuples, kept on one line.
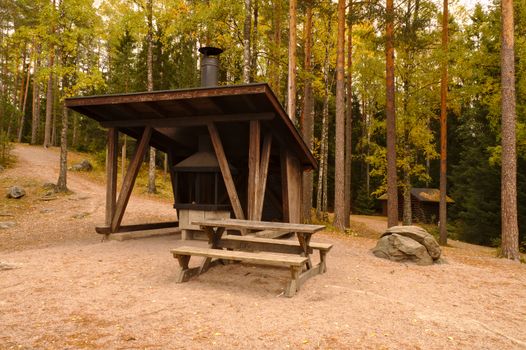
[(203, 161)]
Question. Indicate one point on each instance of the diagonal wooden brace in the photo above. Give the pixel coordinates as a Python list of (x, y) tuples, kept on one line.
[(129, 179)]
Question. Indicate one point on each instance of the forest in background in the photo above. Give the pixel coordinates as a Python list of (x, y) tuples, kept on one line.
[(53, 49)]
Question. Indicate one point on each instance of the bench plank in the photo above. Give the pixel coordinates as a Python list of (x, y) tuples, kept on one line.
[(273, 259), (269, 234), (282, 242), (260, 225)]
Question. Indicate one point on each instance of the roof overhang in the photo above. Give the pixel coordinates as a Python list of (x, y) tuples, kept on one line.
[(171, 113)]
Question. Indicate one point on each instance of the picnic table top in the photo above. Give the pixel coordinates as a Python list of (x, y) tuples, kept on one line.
[(260, 225)]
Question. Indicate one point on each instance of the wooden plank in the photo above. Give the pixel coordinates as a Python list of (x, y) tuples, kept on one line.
[(129, 179), (173, 181), (172, 95), (281, 242), (253, 168), (263, 174), (111, 174), (168, 121), (225, 171), (138, 227), (125, 236), (294, 176), (316, 270), (259, 225), (272, 247), (284, 184), (272, 259)]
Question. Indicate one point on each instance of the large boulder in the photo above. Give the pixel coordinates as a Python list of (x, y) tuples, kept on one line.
[(15, 192), (85, 165), (396, 247), (420, 235)]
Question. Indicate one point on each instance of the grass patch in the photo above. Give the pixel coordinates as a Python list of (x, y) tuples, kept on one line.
[(34, 192), (98, 175)]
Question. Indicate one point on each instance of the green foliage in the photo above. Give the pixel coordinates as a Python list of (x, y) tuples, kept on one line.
[(103, 50), (5, 148), (364, 203)]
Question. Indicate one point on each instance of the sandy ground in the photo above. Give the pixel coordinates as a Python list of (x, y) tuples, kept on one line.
[(71, 291)]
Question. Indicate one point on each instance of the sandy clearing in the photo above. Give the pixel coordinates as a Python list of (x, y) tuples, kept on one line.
[(74, 292)]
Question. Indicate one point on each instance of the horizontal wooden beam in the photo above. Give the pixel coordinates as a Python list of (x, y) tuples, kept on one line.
[(186, 121), (104, 230)]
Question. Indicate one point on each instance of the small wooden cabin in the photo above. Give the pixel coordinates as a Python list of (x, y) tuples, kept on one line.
[(232, 150), (424, 204)]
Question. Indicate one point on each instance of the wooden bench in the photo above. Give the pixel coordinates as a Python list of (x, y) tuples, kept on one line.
[(294, 262), (249, 243)]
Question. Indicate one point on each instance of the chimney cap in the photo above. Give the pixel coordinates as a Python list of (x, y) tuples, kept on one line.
[(210, 51)]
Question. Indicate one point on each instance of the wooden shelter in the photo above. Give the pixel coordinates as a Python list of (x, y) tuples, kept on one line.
[(424, 204), (230, 148)]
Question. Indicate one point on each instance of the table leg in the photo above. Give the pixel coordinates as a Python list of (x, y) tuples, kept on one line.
[(214, 236), (293, 284), (304, 239)]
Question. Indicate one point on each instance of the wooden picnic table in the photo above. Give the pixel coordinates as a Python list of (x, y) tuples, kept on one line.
[(269, 251), (215, 229)]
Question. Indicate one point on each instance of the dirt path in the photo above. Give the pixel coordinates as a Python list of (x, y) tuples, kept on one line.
[(69, 218), (78, 293)]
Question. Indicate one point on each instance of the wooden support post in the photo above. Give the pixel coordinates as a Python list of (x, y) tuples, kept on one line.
[(291, 179), (295, 180), (284, 185), (172, 173), (129, 179), (225, 171), (253, 168), (111, 174), (263, 173)]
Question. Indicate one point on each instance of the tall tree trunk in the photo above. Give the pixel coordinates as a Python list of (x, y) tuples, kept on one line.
[(255, 38), (75, 131), (49, 103), (443, 129), (246, 41), (56, 102), (15, 99), (291, 86), (24, 102), (510, 229), (149, 62), (392, 196), (62, 178), (308, 112), (49, 92), (339, 159), (322, 172), (35, 107), (348, 124), (275, 67), (408, 213)]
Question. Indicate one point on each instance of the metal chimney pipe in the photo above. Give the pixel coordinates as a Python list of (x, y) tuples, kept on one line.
[(209, 65)]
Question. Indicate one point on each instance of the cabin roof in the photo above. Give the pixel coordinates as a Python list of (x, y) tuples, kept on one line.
[(177, 116), (423, 195)]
